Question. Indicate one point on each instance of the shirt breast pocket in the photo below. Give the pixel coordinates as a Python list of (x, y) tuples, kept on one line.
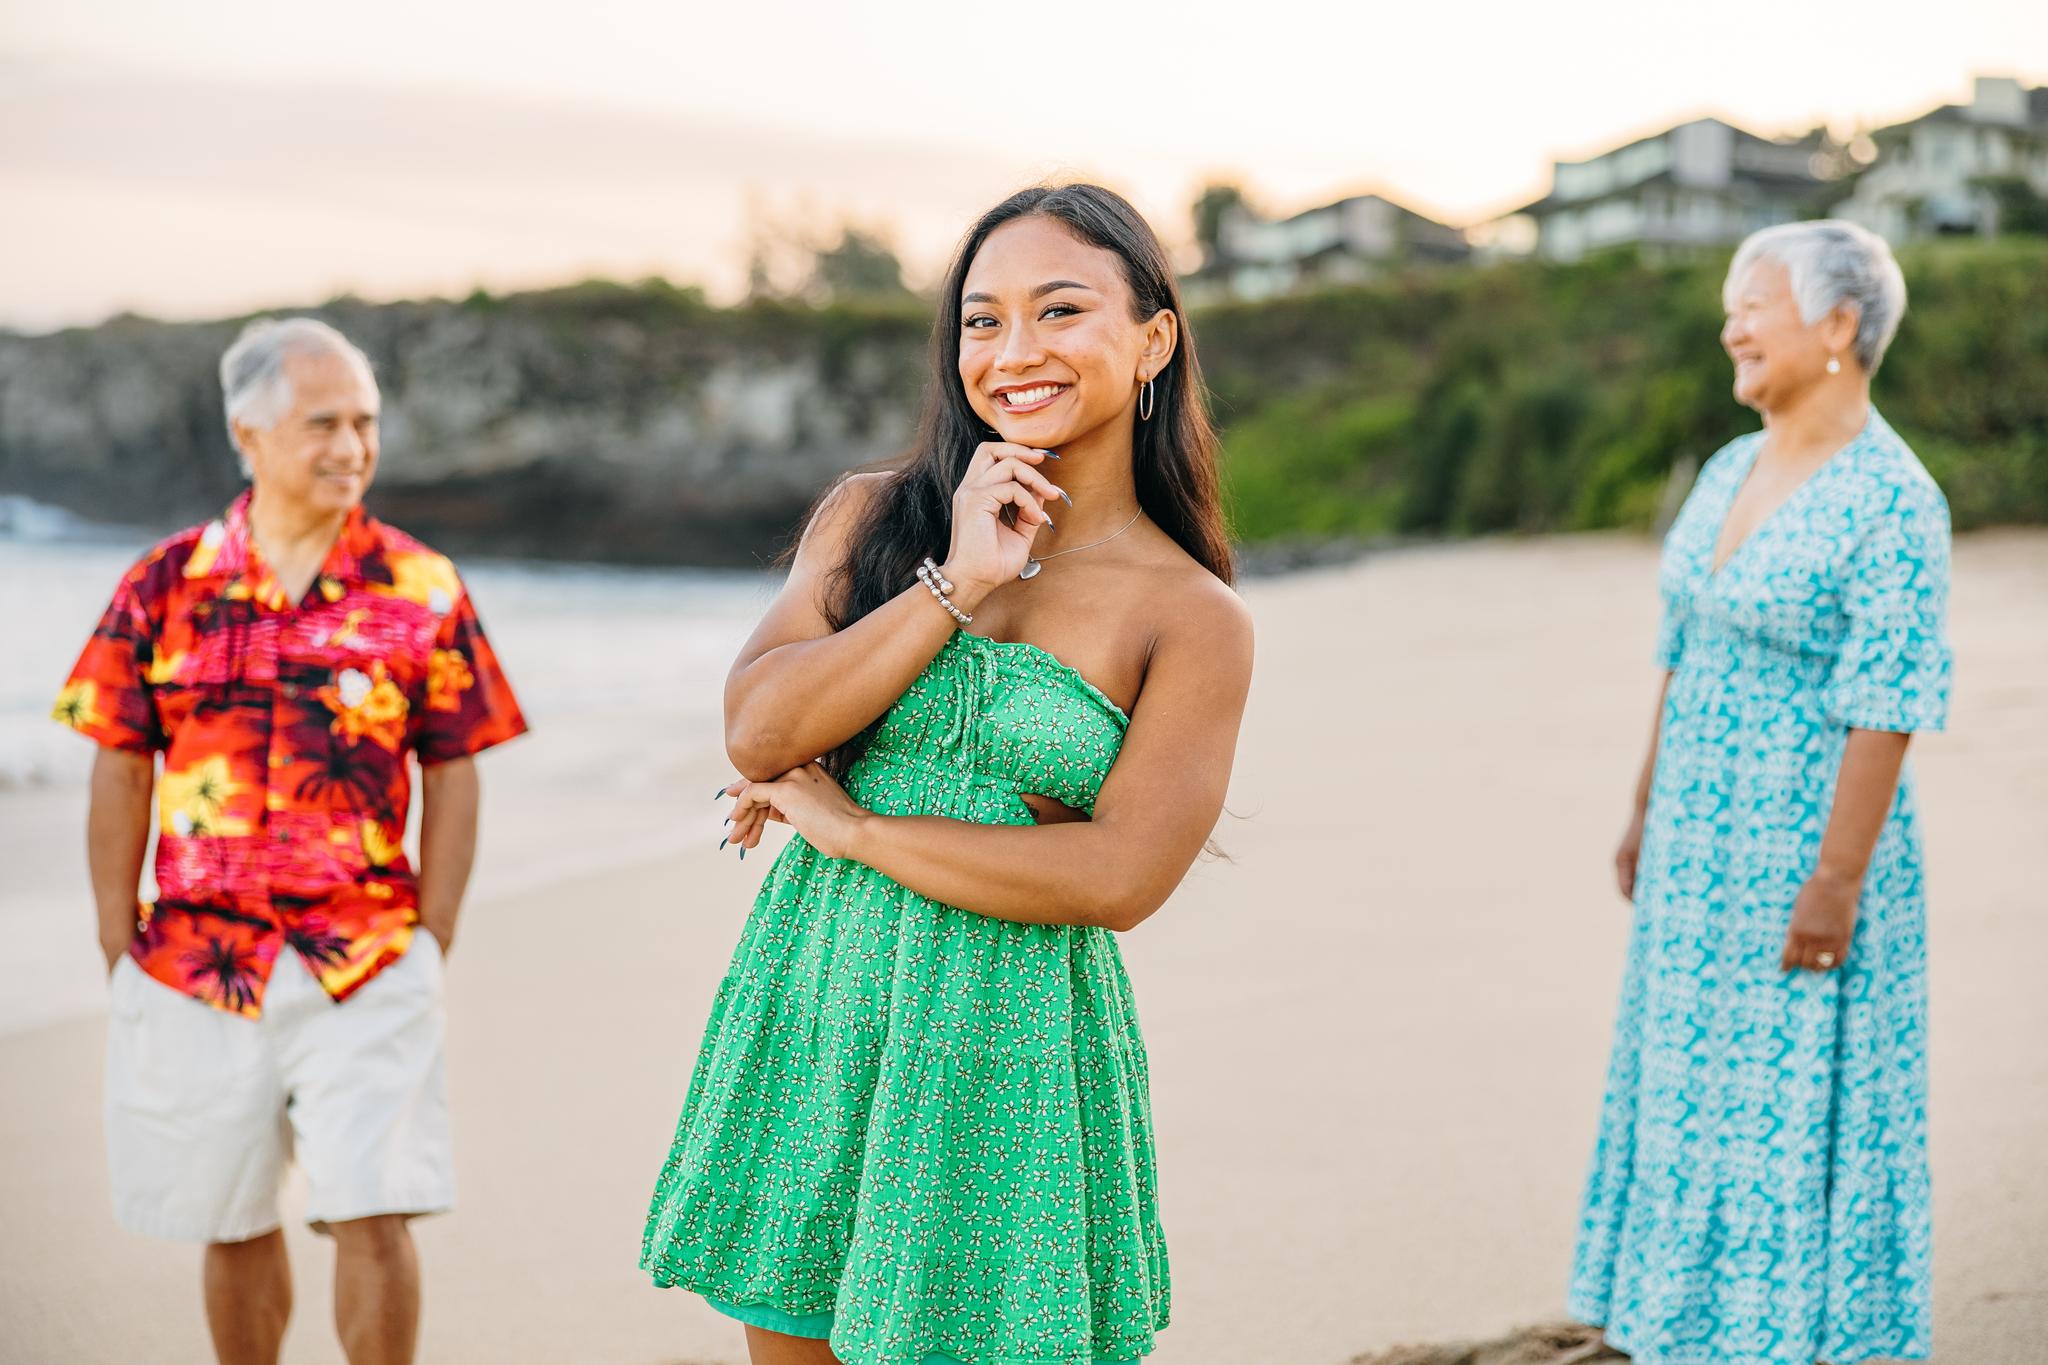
[(232, 643)]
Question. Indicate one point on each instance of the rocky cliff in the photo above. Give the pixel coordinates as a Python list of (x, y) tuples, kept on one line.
[(594, 422), (636, 423)]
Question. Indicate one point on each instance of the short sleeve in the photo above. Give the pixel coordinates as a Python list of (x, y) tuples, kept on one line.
[(1894, 667), (107, 697), (469, 704)]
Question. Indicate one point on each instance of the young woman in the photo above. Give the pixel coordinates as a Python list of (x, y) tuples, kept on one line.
[(919, 1126)]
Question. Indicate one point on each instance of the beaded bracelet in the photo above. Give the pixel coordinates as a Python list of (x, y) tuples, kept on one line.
[(929, 575)]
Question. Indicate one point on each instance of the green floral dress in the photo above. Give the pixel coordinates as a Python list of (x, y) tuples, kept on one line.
[(922, 1132)]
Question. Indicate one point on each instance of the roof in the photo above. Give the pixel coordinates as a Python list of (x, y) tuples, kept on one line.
[(1815, 138), (1363, 198), (1789, 186), (1549, 202), (2037, 117)]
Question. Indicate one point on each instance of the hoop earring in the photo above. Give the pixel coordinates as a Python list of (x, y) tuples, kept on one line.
[(1146, 402)]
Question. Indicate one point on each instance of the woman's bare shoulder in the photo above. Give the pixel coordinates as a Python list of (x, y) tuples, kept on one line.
[(1194, 606), (838, 512), (853, 495)]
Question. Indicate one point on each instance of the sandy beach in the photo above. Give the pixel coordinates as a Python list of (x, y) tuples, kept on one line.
[(1377, 1031)]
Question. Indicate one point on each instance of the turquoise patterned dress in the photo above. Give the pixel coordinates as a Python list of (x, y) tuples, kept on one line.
[(1759, 1189), (920, 1133)]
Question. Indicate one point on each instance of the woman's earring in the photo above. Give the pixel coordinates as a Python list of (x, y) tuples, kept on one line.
[(1834, 365), (1145, 402)]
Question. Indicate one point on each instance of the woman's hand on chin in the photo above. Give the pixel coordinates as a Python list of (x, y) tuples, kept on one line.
[(987, 549), (805, 798)]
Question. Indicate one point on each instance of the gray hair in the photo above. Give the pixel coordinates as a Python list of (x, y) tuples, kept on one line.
[(1832, 264), (255, 390)]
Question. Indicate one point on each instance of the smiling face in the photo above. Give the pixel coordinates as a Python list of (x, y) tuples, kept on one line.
[(1777, 353), (321, 455), (1049, 351)]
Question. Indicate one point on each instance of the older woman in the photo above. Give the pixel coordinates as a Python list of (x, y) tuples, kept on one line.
[(1759, 1186)]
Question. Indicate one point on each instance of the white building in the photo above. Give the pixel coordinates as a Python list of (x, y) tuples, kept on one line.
[(1347, 242), (1928, 177), (1701, 184)]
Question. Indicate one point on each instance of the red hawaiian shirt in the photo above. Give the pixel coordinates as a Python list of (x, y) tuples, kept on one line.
[(285, 732)]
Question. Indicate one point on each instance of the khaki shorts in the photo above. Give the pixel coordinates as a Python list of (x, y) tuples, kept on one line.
[(205, 1108)]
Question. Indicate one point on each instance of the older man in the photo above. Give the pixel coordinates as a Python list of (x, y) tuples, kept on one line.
[(280, 995)]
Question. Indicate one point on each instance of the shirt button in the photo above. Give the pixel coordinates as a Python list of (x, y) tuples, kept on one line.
[(290, 690)]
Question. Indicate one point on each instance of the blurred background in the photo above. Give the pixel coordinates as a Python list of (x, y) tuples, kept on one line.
[(637, 286), (639, 280)]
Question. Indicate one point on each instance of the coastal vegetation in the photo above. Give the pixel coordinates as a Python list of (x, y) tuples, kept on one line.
[(1533, 397), (640, 422)]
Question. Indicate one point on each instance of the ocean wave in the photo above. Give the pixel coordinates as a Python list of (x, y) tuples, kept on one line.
[(26, 521)]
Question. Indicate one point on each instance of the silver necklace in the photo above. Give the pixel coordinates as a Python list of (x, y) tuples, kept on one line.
[(1031, 562)]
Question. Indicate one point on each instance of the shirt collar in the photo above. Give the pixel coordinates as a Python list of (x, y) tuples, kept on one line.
[(228, 550)]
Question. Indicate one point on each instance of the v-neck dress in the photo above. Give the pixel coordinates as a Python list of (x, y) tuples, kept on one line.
[(921, 1133), (1759, 1186)]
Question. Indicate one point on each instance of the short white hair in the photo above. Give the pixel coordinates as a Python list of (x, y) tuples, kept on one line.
[(1830, 264), (255, 390)]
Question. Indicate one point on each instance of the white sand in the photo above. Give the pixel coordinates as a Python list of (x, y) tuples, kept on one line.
[(1377, 1034)]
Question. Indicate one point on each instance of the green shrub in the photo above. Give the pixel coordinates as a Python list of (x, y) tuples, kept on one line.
[(1533, 397)]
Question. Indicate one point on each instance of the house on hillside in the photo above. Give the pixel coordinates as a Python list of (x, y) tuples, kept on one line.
[(1942, 172), (1705, 183), (1347, 242)]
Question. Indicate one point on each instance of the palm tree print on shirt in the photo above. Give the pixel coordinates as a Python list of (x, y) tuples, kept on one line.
[(223, 972), (313, 938)]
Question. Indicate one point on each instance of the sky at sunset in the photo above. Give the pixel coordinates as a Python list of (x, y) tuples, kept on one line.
[(198, 160)]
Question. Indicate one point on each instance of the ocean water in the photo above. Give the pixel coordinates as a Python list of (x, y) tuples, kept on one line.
[(619, 672)]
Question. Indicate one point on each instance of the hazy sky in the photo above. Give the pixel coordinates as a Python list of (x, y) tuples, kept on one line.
[(198, 159)]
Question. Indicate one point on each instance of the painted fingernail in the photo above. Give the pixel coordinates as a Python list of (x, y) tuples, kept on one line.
[(721, 792), (723, 842), (743, 855), (1048, 522), (1063, 496), (728, 819), (1050, 454)]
